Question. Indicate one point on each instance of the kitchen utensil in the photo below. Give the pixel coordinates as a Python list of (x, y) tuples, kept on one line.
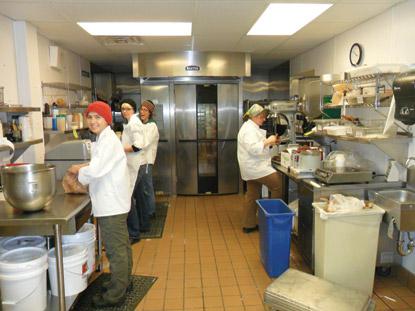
[(29, 187)]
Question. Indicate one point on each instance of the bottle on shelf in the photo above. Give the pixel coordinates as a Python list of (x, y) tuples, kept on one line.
[(46, 111), (17, 135)]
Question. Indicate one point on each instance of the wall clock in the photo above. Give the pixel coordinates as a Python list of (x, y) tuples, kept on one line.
[(356, 54)]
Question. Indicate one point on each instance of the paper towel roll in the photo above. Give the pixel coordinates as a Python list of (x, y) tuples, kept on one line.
[(25, 124)]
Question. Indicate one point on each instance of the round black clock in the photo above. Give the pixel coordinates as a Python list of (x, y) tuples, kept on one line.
[(356, 54)]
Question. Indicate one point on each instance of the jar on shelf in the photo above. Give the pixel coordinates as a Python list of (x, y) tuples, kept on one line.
[(61, 122), (47, 123)]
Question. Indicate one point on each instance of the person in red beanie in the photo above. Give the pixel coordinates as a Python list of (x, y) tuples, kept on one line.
[(104, 174)]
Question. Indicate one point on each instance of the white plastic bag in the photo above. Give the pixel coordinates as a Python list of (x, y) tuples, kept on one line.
[(341, 203)]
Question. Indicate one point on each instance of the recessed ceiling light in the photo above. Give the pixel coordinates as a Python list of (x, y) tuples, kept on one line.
[(137, 28), (285, 19)]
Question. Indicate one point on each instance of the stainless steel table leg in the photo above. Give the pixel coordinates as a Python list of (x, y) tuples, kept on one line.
[(59, 266)]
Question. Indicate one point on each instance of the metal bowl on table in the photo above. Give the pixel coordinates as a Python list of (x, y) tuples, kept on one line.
[(29, 187)]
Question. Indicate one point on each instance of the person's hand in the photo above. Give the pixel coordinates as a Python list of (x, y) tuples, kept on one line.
[(271, 141), (128, 149), (74, 169)]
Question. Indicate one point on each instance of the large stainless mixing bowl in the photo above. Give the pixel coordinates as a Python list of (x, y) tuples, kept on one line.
[(29, 187)]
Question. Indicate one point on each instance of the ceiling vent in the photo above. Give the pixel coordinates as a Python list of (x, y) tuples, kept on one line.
[(119, 40)]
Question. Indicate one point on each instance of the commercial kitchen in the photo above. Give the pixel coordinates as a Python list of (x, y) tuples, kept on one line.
[(335, 81)]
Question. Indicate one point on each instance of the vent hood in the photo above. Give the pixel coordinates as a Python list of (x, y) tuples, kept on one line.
[(191, 64)]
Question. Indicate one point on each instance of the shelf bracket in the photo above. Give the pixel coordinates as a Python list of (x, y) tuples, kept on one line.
[(396, 149)]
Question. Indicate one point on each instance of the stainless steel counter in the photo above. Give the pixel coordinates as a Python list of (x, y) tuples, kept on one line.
[(65, 210), (64, 215)]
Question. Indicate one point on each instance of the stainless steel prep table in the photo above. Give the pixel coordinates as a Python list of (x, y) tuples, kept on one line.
[(64, 215), (287, 175)]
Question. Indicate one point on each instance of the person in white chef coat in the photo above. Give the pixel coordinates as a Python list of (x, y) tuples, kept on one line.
[(111, 200), (254, 158), (132, 139), (144, 188)]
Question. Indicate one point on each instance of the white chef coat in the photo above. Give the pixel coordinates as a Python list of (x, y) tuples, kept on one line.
[(133, 134), (254, 160), (149, 144), (107, 176)]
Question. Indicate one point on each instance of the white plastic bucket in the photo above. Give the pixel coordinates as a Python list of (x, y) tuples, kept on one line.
[(85, 236), (75, 267), (23, 279), (8, 244)]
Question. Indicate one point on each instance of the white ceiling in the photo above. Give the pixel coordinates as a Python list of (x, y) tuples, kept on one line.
[(218, 25)]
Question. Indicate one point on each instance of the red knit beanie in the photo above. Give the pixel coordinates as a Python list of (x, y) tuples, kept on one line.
[(101, 108), (149, 105)]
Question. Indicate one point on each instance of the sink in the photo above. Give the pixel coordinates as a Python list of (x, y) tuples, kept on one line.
[(401, 195), (399, 205)]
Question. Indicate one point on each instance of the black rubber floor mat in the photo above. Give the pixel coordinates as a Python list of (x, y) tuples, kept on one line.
[(157, 223), (141, 285)]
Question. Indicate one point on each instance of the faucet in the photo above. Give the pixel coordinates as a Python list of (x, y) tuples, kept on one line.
[(409, 161), (400, 244)]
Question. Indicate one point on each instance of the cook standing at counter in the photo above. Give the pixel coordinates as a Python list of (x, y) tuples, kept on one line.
[(254, 157), (111, 198), (132, 139)]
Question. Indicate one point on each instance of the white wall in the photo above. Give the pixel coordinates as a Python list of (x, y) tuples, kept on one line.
[(387, 38), (72, 64), (69, 73), (24, 65), (8, 61)]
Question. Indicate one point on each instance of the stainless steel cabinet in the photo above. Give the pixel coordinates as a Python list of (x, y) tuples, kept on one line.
[(206, 130)]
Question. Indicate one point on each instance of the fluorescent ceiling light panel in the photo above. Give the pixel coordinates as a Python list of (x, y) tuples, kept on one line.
[(137, 28), (285, 19)]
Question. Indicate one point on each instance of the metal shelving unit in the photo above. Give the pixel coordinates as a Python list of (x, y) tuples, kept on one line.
[(20, 147), (18, 109), (395, 147), (66, 86)]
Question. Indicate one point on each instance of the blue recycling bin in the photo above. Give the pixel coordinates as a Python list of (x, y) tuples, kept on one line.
[(275, 223)]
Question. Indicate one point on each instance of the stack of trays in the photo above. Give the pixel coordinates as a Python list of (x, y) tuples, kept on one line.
[(298, 291)]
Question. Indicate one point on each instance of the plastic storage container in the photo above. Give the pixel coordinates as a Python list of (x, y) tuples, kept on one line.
[(10, 243), (23, 279), (346, 246), (299, 291), (275, 222), (75, 264), (86, 237)]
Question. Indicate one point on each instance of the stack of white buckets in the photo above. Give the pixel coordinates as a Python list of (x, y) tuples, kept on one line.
[(24, 261), (23, 265)]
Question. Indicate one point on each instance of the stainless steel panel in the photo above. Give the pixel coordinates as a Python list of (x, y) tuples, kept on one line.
[(185, 100), (228, 170), (186, 168), (228, 103), (191, 63), (162, 172), (163, 168)]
